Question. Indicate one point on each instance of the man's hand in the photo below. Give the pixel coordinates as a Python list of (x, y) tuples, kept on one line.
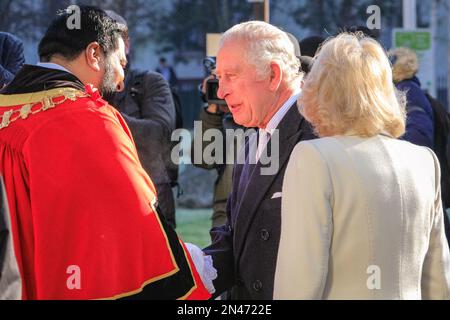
[(204, 265), (212, 108)]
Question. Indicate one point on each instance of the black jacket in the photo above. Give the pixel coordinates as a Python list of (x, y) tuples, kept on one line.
[(245, 250), (11, 57)]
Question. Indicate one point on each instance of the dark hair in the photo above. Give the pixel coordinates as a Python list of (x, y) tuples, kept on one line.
[(310, 45), (95, 26)]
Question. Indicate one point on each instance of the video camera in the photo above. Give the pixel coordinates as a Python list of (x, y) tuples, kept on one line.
[(212, 85)]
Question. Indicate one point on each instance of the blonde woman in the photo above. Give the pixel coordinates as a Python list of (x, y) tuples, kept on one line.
[(361, 210)]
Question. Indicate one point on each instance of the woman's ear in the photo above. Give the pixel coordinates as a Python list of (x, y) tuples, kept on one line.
[(275, 76), (94, 56)]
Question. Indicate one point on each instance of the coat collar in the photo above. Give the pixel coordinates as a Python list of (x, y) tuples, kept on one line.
[(35, 79)]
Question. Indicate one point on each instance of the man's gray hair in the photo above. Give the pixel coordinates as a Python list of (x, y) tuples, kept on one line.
[(266, 43)]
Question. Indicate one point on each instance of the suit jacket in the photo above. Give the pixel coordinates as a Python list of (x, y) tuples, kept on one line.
[(245, 250), (362, 219)]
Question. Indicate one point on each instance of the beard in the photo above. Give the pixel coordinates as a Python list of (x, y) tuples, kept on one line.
[(108, 85)]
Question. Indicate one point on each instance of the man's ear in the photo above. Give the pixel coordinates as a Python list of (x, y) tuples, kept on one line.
[(94, 56), (276, 75)]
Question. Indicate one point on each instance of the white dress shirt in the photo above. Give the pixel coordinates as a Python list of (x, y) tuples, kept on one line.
[(265, 134), (50, 65)]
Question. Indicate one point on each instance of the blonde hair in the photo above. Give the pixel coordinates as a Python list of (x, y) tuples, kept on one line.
[(405, 63), (350, 90), (266, 43)]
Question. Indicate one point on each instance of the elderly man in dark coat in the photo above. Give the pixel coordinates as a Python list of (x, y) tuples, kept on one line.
[(259, 78)]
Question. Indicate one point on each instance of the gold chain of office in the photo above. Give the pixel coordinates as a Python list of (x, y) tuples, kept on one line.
[(47, 103)]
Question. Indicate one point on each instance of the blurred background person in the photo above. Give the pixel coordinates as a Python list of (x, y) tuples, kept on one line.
[(147, 106), (420, 118), (305, 60), (167, 72), (361, 210), (216, 116), (310, 45), (11, 57)]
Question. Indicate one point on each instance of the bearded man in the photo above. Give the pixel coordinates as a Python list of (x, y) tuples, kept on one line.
[(84, 214)]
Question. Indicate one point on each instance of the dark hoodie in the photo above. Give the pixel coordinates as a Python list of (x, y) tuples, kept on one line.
[(420, 118)]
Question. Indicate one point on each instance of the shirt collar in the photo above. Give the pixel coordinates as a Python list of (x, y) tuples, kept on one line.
[(50, 65), (279, 115)]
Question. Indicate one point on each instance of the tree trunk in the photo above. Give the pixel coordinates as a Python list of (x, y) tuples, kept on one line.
[(258, 11)]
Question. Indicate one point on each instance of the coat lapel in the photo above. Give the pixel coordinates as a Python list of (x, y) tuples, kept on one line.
[(258, 186)]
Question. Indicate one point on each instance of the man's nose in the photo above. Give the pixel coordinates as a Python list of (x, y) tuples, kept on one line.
[(120, 87), (222, 91)]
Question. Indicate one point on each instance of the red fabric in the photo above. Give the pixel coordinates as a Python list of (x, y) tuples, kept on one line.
[(79, 197)]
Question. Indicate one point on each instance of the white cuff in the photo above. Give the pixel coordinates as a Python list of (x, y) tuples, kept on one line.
[(204, 266)]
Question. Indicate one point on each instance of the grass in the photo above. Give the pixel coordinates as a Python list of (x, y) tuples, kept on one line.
[(193, 225)]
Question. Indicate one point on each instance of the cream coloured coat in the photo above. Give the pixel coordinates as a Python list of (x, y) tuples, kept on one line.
[(362, 219)]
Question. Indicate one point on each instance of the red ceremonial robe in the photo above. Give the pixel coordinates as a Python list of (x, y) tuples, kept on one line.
[(83, 210)]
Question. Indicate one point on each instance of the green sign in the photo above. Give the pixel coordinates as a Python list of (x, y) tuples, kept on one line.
[(416, 40), (419, 40)]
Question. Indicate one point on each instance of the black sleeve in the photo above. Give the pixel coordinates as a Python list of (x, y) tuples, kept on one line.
[(13, 62), (153, 130), (157, 109), (157, 103), (222, 253)]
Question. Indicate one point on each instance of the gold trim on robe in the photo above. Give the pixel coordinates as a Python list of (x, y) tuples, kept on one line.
[(29, 103)]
